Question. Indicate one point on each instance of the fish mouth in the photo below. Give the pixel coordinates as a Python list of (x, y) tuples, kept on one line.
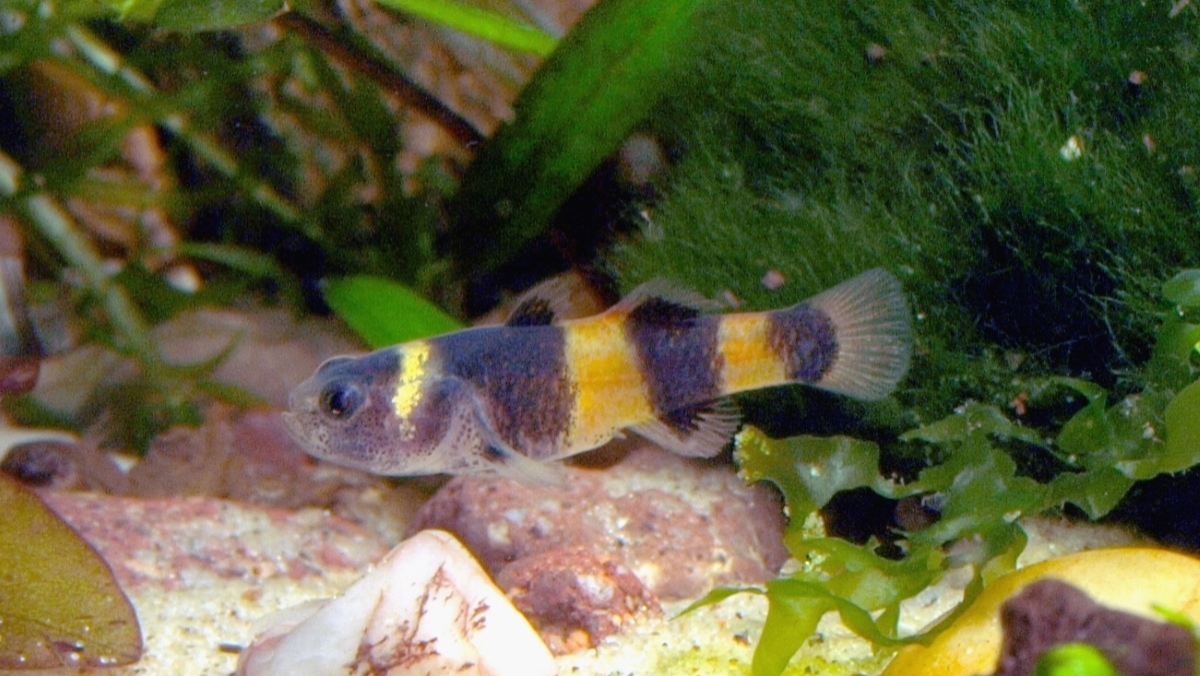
[(295, 428)]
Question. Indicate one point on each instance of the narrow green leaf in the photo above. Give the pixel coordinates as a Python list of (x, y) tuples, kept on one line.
[(601, 81), (384, 312), (137, 10), (716, 596), (479, 22), (189, 15), (59, 603), (234, 257), (792, 616)]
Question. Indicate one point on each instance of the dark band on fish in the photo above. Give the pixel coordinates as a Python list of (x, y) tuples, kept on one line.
[(678, 356), (805, 339), (522, 376)]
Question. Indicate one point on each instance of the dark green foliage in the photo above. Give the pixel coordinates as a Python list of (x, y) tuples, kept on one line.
[(1028, 169), (939, 139), (188, 15), (983, 475), (603, 80), (283, 169)]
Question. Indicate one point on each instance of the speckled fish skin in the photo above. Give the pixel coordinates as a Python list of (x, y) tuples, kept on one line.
[(509, 399)]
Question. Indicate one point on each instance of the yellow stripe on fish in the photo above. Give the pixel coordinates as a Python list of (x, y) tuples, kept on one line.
[(606, 382), (508, 399)]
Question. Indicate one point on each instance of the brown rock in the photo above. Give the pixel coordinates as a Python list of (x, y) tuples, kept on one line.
[(576, 596), (678, 526)]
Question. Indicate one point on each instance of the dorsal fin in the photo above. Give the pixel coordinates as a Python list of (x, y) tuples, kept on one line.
[(542, 304), (659, 301)]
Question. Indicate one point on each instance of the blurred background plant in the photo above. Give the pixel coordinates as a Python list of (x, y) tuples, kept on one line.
[(149, 168)]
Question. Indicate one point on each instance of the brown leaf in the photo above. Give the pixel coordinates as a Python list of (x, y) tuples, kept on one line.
[(59, 603)]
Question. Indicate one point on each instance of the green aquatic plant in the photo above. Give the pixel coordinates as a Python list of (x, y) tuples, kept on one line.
[(1023, 166), (979, 477), (385, 313), (266, 156), (1074, 659), (585, 100)]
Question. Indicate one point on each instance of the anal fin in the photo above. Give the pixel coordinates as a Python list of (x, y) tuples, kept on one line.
[(697, 431)]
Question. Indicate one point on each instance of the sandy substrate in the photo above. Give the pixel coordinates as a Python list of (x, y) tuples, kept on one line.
[(230, 565)]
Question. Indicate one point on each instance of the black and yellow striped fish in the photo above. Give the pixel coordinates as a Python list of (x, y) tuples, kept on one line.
[(508, 399)]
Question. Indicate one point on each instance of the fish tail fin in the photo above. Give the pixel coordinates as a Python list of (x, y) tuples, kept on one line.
[(871, 325)]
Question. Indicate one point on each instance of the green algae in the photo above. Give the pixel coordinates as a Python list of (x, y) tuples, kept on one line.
[(1019, 164)]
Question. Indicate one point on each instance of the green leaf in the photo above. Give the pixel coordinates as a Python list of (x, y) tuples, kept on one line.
[(984, 493), (716, 596), (190, 15), (1183, 432), (1183, 289), (136, 10), (1074, 659), (479, 22), (974, 418), (384, 312), (1171, 363), (155, 296), (602, 81), (1096, 492), (59, 603), (808, 470), (792, 615)]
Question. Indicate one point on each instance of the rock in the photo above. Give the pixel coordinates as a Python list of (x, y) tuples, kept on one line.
[(576, 595), (427, 608), (181, 543), (1051, 612), (1129, 579), (678, 526)]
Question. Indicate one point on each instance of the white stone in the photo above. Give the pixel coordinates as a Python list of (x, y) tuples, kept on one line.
[(426, 608)]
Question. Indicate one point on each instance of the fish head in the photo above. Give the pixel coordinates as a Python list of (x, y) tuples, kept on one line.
[(388, 412)]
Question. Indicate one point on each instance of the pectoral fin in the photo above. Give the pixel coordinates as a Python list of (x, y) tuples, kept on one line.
[(510, 464), (500, 458)]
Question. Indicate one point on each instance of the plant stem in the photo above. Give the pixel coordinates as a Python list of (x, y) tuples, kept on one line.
[(339, 48), (57, 227), (108, 61)]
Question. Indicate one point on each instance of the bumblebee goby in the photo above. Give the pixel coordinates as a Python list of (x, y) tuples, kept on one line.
[(513, 398)]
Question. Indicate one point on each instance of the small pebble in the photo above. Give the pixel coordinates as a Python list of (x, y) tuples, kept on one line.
[(773, 280)]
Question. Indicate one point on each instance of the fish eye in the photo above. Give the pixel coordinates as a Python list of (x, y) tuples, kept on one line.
[(340, 399)]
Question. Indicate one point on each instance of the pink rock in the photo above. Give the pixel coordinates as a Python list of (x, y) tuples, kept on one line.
[(679, 526), (190, 542), (576, 596)]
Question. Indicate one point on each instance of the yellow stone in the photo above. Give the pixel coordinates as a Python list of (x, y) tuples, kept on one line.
[(1131, 579)]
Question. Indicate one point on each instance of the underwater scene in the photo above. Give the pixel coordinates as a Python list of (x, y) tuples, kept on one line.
[(599, 337)]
